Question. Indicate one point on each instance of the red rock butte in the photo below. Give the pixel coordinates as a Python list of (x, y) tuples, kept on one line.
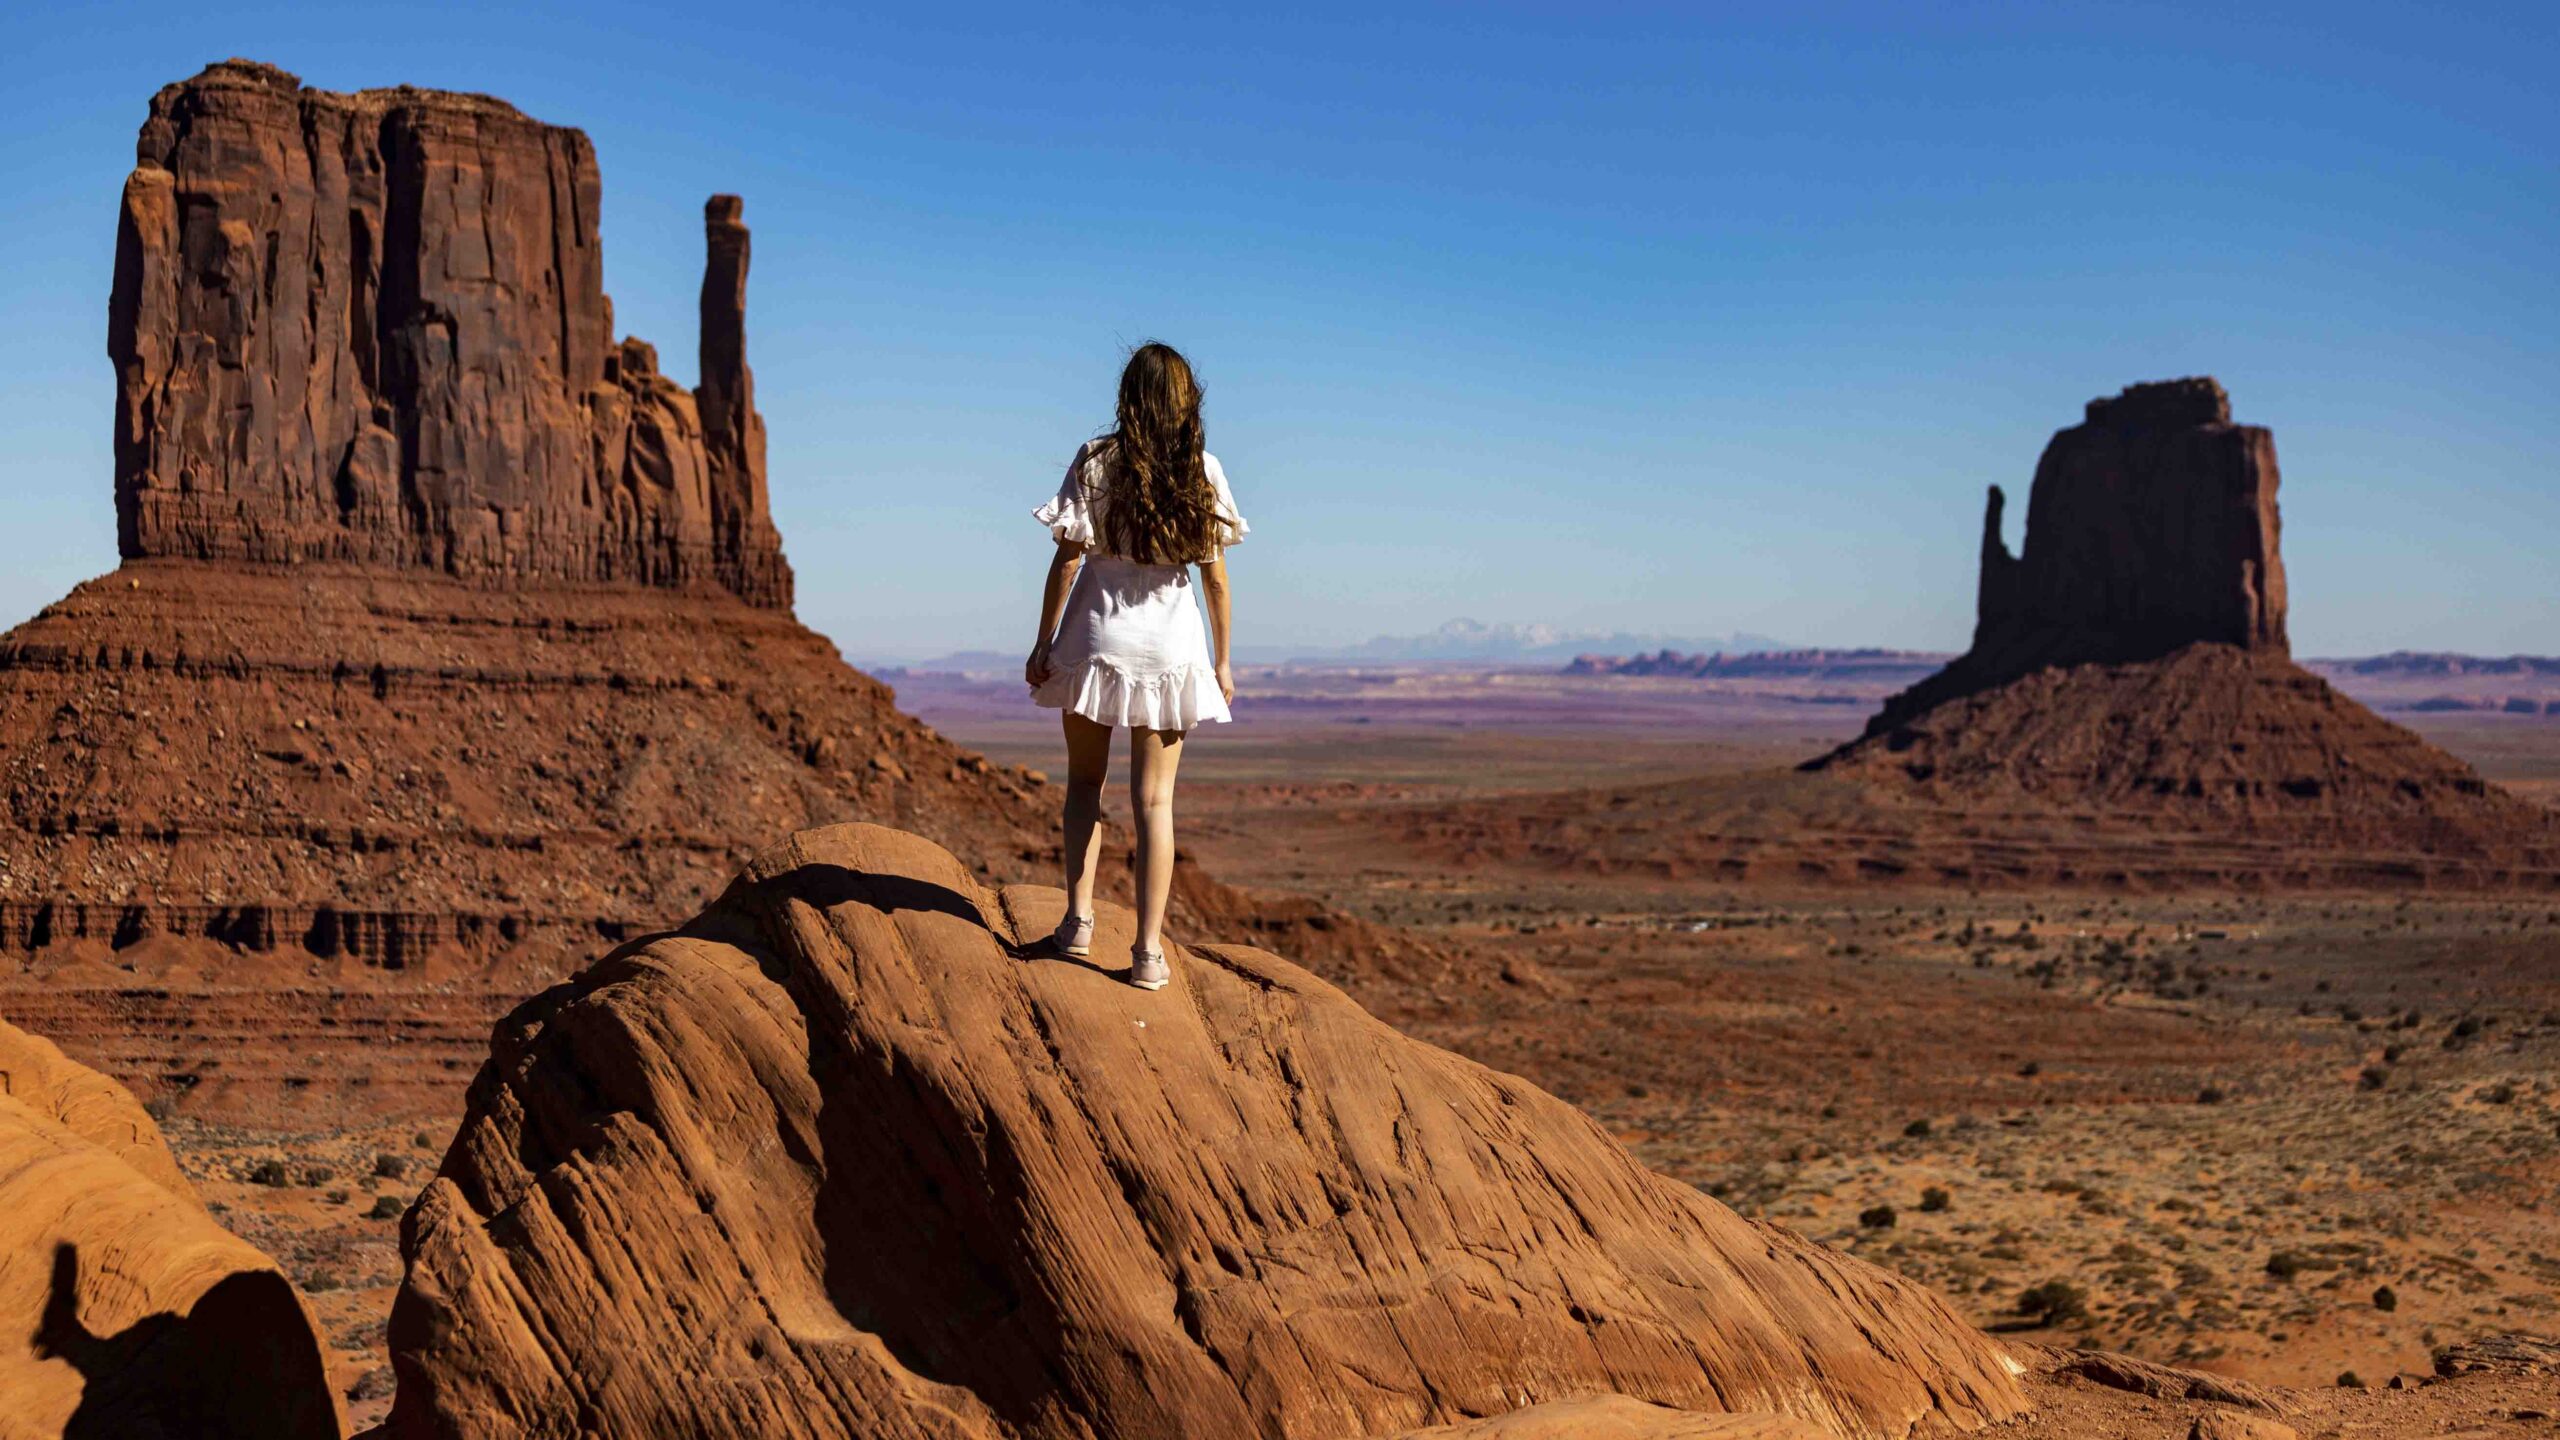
[(429, 582), (373, 328), (451, 638), (2134, 657)]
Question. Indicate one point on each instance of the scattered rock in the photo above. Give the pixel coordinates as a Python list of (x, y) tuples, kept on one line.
[(2162, 1382), (2516, 1354), (2230, 1425), (1615, 1417)]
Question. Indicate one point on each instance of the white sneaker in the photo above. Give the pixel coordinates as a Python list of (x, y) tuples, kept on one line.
[(1148, 971), (1074, 935)]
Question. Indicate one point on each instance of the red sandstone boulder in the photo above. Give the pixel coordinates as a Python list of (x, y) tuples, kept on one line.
[(124, 1309), (841, 1158)]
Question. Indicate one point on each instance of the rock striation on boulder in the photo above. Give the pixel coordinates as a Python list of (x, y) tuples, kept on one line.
[(124, 1308), (844, 1156), (373, 328)]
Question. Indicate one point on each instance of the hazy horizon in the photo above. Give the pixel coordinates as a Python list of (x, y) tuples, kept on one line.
[(1642, 324)]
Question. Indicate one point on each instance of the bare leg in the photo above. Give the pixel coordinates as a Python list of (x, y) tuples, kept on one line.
[(1088, 766), (1153, 757)]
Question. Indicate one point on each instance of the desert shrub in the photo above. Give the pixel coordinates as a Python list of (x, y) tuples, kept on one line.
[(388, 1166), (270, 1172), (339, 1197), (2373, 1077), (2350, 1380), (2502, 1093), (1918, 1129), (1877, 1217), (2285, 1264), (316, 1175), (2210, 1095), (385, 1207), (1935, 1198), (2055, 1302), (2030, 1070)]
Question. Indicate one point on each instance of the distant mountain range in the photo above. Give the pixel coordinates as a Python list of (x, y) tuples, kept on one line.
[(2403, 681), (1474, 640), (1457, 640), (2437, 663), (1885, 666)]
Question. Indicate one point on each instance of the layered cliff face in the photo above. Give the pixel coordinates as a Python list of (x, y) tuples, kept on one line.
[(846, 1155), (372, 328), (2134, 656)]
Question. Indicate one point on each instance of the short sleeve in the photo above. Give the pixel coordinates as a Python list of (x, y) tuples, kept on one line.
[(1069, 514), (1231, 526)]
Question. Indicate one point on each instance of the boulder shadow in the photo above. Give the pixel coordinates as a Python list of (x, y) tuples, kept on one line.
[(241, 1363), (827, 886)]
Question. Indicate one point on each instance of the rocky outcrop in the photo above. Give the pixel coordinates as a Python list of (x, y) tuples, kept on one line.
[(2134, 656), (843, 1157), (373, 328), (2151, 526), (124, 1309)]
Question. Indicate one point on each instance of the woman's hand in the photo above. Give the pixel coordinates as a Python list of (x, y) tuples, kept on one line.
[(1035, 671), (1227, 682)]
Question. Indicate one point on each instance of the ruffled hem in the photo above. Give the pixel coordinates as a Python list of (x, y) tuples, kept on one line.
[(1068, 518), (1176, 699)]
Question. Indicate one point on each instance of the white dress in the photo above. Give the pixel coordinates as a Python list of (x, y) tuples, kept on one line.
[(1130, 649)]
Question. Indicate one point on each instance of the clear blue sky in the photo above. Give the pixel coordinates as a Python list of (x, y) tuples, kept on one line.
[(1687, 320)]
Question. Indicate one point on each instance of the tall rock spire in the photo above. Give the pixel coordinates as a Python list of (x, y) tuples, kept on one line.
[(732, 431)]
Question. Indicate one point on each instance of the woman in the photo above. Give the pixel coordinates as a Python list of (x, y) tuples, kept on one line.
[(1120, 642)]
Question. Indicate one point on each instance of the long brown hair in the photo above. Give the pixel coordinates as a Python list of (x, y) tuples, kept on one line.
[(1160, 508)]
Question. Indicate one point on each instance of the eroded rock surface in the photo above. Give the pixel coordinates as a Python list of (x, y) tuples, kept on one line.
[(124, 1309), (372, 327), (839, 1159)]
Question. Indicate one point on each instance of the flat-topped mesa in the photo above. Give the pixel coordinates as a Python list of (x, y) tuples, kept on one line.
[(372, 328)]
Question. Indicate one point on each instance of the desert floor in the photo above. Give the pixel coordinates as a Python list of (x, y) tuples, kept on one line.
[(2293, 1139), (2290, 1138)]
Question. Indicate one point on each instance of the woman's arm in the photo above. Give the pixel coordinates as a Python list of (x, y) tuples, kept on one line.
[(1053, 604), (1213, 585)]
